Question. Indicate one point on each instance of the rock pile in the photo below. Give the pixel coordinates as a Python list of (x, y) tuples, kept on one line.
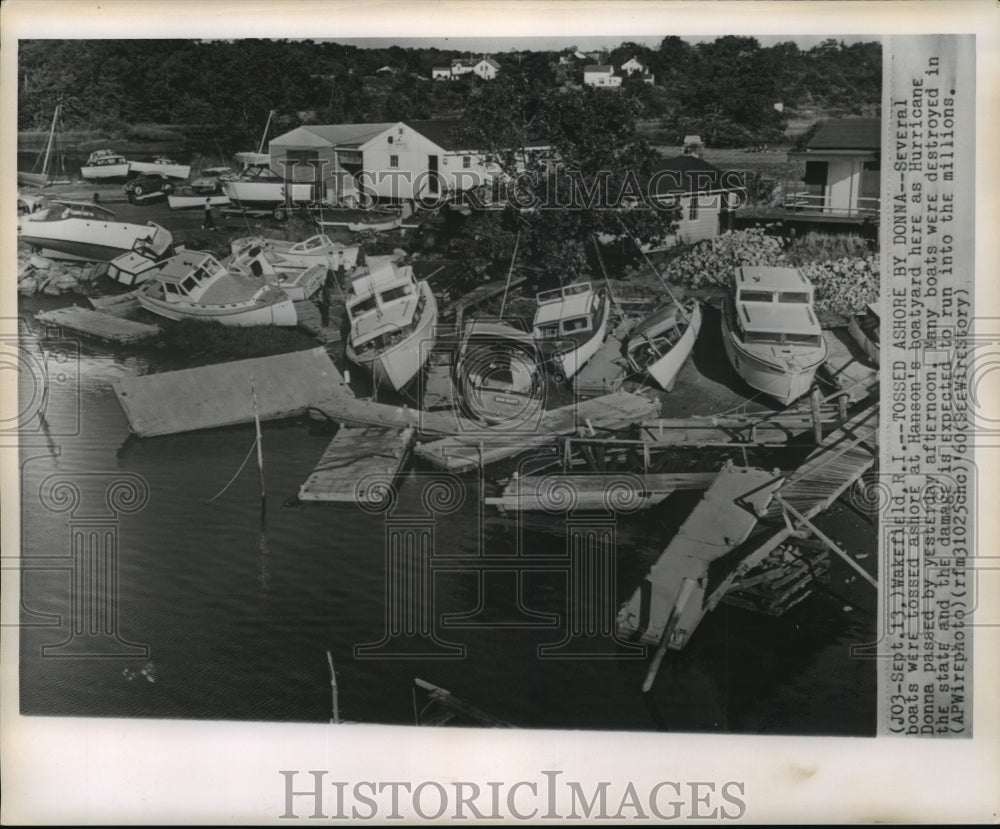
[(38, 274)]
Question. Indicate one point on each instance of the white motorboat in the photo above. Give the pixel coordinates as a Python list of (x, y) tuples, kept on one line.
[(164, 166), (195, 285), (187, 198), (392, 318), (81, 231), (261, 263), (147, 256), (319, 249), (661, 342), (570, 324), (105, 164), (499, 375), (258, 187), (771, 333)]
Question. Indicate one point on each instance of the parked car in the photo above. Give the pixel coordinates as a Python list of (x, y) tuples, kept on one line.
[(147, 183)]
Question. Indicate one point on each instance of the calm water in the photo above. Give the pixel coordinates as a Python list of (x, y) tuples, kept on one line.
[(238, 613)]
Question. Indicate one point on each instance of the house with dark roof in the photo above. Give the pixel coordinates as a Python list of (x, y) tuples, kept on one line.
[(485, 68), (705, 195), (601, 75), (842, 179), (401, 160)]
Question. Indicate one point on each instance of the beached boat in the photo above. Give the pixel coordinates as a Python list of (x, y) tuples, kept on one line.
[(499, 375), (147, 256), (376, 226), (771, 333), (164, 166), (392, 318), (661, 343), (258, 187), (195, 285), (570, 324), (104, 164), (49, 166), (81, 231), (864, 328), (187, 198), (297, 283), (315, 250), (208, 182)]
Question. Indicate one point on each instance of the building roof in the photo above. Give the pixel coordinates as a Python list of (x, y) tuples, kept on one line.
[(491, 62), (338, 135), (848, 134), (599, 67), (446, 133), (686, 174)]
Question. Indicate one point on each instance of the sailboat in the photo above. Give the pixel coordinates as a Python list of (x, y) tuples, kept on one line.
[(45, 177)]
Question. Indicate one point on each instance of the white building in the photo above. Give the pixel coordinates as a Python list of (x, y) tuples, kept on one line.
[(601, 75), (633, 66), (485, 68)]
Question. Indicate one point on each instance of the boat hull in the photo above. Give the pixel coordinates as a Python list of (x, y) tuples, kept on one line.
[(785, 381), (169, 170), (665, 370), (82, 239), (570, 362), (277, 312), (193, 202), (399, 365), (265, 194), (107, 171), (864, 341), (34, 179)]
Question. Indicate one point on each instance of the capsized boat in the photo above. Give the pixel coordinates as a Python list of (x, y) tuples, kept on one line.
[(392, 318), (164, 166), (499, 375), (570, 324), (771, 333), (261, 263), (864, 328), (147, 256), (81, 231), (661, 342), (105, 164), (319, 249), (195, 285)]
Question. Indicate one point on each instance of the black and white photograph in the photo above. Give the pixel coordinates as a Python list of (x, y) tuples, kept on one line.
[(537, 420)]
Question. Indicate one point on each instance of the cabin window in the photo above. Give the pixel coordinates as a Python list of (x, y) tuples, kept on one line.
[(363, 307), (396, 293), (755, 296), (802, 339), (577, 324), (393, 160), (189, 284), (768, 337), (551, 330), (572, 290), (693, 208), (793, 296)]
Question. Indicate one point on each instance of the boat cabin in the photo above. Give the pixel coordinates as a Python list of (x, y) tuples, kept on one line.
[(384, 307), (566, 311), (59, 210), (105, 158), (774, 306), (187, 276)]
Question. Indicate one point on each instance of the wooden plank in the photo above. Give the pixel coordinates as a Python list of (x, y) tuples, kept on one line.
[(219, 395), (605, 371), (467, 450), (477, 296), (845, 369), (310, 320), (351, 411), (357, 465), (107, 327), (595, 491), (439, 390)]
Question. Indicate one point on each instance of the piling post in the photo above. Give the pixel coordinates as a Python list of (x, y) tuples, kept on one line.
[(815, 399)]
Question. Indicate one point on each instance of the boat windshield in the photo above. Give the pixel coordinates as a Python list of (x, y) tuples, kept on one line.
[(362, 307), (780, 338)]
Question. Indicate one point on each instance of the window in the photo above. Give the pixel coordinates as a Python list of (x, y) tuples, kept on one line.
[(576, 324), (802, 339), (395, 293), (755, 296), (763, 337), (393, 160), (793, 296), (693, 208), (189, 284), (363, 307), (466, 162)]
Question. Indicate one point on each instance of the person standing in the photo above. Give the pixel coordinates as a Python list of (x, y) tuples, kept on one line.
[(209, 223)]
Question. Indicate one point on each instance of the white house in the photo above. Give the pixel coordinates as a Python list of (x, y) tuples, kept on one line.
[(633, 66), (601, 75), (704, 195), (392, 161), (485, 68), (441, 73)]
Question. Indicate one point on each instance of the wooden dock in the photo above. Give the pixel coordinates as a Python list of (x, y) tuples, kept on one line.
[(310, 320), (439, 389), (750, 430), (105, 327), (848, 370), (351, 411), (669, 603), (219, 395), (605, 371), (477, 296), (468, 450), (357, 465), (595, 491)]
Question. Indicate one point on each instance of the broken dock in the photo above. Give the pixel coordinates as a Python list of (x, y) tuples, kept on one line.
[(100, 326), (358, 466)]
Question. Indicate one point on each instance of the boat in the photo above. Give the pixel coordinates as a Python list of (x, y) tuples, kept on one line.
[(392, 318), (570, 325), (164, 166), (188, 198), (319, 249), (771, 333), (864, 328), (260, 263), (147, 256), (81, 231), (258, 187), (375, 226), (46, 159), (102, 164), (659, 344), (208, 182), (498, 374), (195, 285)]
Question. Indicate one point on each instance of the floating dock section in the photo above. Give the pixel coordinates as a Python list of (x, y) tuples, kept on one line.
[(848, 372), (670, 602), (358, 465), (605, 371), (220, 395), (105, 327)]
